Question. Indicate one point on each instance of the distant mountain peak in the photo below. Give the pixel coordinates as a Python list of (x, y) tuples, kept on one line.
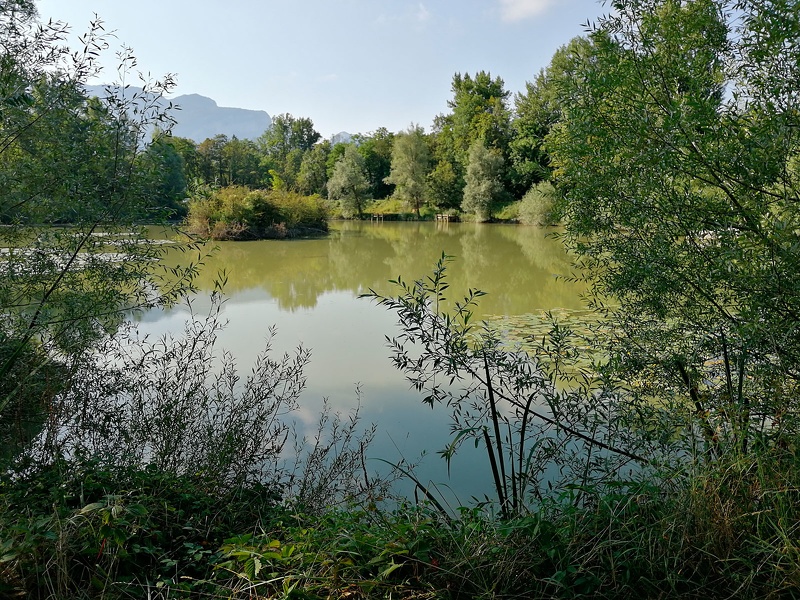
[(195, 100), (341, 138), (199, 117)]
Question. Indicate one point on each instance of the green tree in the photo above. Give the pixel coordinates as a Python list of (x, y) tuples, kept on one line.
[(376, 148), (213, 168), (410, 166), (242, 163), (70, 159), (187, 149), (682, 203), (313, 175), (484, 178), (348, 184), (285, 143), (290, 170), (337, 152), (446, 179), (479, 112), (164, 178), (288, 133), (537, 110)]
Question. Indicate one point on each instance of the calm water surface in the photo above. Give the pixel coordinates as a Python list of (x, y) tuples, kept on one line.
[(309, 290)]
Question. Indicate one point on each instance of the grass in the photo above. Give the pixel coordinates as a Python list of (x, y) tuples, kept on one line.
[(718, 533)]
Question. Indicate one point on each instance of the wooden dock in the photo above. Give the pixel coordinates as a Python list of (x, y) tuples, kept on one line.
[(446, 218)]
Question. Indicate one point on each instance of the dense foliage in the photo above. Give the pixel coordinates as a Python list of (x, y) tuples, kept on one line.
[(426, 173), (69, 159), (239, 213), (677, 157)]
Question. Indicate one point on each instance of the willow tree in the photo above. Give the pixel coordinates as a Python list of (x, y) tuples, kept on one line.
[(410, 167), (484, 181), (677, 155), (66, 159), (349, 184)]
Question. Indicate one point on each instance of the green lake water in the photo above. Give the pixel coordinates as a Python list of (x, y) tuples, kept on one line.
[(309, 290)]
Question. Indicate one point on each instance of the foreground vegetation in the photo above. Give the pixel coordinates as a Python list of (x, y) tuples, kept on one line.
[(727, 534), (652, 454)]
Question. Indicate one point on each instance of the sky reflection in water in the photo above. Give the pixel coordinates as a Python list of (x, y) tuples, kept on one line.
[(309, 289)]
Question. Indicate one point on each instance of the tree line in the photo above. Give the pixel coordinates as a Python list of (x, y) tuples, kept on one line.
[(481, 155)]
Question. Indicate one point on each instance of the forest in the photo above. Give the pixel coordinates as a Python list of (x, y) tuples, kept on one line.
[(664, 142)]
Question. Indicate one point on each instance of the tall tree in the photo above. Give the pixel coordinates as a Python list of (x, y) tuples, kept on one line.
[(164, 179), (410, 166), (241, 163), (337, 152), (287, 133), (479, 112), (285, 143), (537, 110), (683, 203), (484, 179), (446, 179), (376, 148), (313, 175), (187, 149), (349, 184), (212, 160)]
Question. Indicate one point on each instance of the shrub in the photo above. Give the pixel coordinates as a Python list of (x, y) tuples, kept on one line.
[(538, 205), (301, 212), (25, 393), (238, 213), (86, 530), (157, 451)]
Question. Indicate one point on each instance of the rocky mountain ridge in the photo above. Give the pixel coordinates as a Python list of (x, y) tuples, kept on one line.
[(197, 117), (200, 117)]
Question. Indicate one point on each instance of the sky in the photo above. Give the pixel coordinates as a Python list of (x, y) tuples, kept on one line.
[(348, 65)]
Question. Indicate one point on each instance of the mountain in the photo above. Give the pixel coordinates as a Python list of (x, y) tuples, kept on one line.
[(341, 138), (199, 117)]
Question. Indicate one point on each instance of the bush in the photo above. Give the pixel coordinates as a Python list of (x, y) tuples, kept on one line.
[(26, 393), (238, 213), (154, 453), (300, 212), (87, 530), (538, 205), (509, 212)]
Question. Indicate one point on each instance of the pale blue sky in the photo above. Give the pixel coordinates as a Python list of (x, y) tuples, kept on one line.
[(349, 65)]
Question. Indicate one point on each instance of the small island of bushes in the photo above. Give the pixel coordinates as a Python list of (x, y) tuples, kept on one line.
[(239, 213)]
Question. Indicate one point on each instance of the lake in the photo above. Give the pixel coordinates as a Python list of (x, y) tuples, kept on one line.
[(309, 289)]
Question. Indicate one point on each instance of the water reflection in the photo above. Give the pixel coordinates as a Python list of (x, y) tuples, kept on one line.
[(310, 289), (517, 266)]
